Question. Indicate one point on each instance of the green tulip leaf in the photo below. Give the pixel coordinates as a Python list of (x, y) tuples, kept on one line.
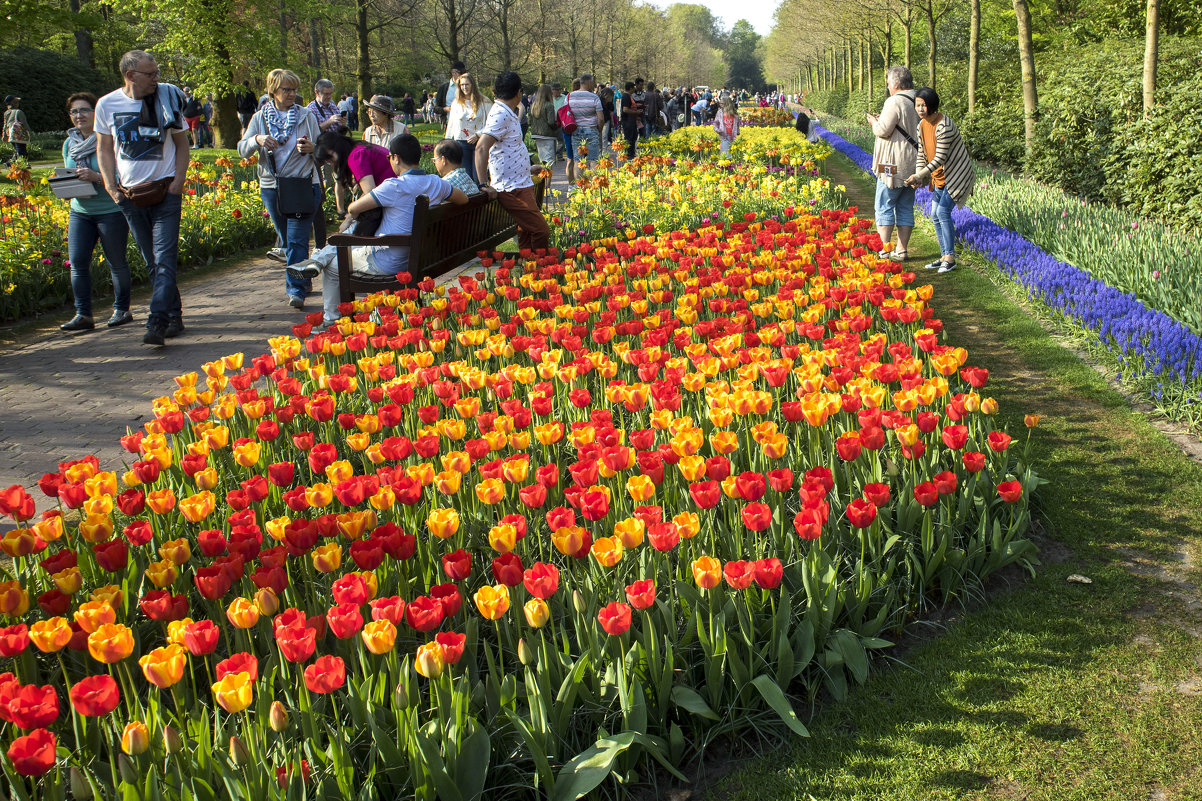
[(691, 701), (775, 698)]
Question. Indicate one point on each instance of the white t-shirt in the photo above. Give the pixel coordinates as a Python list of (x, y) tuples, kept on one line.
[(142, 155), (397, 196), (508, 160)]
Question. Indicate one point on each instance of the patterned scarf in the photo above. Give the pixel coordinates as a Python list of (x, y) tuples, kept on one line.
[(80, 149), (280, 127)]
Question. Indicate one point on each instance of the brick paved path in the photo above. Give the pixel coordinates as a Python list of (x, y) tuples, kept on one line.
[(65, 396)]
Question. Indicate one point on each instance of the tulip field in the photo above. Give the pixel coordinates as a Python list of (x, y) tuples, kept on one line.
[(558, 526)]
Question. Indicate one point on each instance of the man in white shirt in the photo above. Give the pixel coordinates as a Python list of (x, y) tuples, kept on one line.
[(590, 116), (396, 197), (502, 151), (142, 150)]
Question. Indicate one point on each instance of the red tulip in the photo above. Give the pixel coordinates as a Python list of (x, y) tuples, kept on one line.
[(848, 446), (973, 462), (296, 643), (926, 494), (998, 441), (345, 620), (391, 609), (739, 574), (162, 606), (1010, 491), (449, 596), (33, 754), (95, 696), (367, 554), (424, 613), (594, 505), (457, 565), (821, 475), (541, 580), (955, 436), (641, 594), (13, 641), (350, 589), (751, 486), (861, 513), (533, 496), (452, 645), (717, 468), (705, 494), (32, 707), (877, 494), (768, 572), (872, 438), (945, 482), (200, 638), (560, 517), (808, 523), (663, 536), (781, 480), (757, 516), (614, 618), (238, 663), (325, 675)]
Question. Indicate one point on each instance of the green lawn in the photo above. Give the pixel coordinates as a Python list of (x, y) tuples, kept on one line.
[(1044, 689)]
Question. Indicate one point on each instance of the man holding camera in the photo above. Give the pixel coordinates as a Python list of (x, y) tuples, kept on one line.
[(894, 156)]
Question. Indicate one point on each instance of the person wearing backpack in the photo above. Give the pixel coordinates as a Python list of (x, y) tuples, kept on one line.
[(192, 112), (245, 104), (16, 127), (894, 157)]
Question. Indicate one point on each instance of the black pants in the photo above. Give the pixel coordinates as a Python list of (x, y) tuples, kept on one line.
[(630, 129)]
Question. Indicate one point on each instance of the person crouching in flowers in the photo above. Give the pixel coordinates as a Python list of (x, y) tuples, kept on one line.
[(944, 163), (93, 218), (726, 124)]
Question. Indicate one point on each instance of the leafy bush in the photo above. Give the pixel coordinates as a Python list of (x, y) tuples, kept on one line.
[(43, 80)]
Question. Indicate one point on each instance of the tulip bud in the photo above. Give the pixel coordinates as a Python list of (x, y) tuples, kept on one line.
[(578, 601), (988, 406), (129, 773), (80, 788), (402, 693), (172, 740), (267, 601), (135, 739), (278, 717), (239, 753), (526, 654), (537, 612)]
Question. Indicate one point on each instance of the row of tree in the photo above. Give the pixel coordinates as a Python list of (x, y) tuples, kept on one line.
[(391, 45), (815, 45)]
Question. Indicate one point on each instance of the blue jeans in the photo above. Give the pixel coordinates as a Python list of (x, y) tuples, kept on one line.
[(590, 137), (294, 233), (941, 215), (156, 233), (112, 231), (894, 206)]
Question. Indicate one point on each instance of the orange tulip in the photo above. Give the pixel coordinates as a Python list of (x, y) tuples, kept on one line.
[(50, 635), (91, 615), (111, 643), (197, 507), (640, 488), (502, 538), (163, 667), (492, 601), (707, 572), (429, 660), (68, 580), (242, 613), (568, 540), (161, 501), (177, 551), (379, 636), (688, 525), (14, 601), (443, 523), (630, 532), (234, 692), (607, 551), (327, 558), (490, 491)]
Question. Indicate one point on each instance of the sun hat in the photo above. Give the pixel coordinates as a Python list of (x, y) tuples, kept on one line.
[(382, 103), (8, 101)]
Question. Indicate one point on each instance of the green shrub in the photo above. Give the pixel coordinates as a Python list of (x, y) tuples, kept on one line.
[(44, 79)]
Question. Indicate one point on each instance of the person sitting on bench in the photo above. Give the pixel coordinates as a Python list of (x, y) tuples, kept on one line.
[(396, 196)]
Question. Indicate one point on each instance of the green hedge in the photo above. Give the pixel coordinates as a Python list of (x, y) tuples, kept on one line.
[(44, 79)]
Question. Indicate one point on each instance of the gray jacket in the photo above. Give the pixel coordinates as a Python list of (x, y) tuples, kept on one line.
[(296, 164)]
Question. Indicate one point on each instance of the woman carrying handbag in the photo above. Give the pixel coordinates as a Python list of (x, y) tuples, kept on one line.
[(284, 134)]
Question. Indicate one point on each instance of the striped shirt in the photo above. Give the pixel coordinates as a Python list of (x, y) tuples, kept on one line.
[(952, 156)]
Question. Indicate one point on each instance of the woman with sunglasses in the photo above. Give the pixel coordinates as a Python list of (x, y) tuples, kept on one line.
[(93, 218)]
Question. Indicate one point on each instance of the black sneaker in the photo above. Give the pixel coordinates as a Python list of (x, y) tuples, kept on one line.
[(947, 267), (174, 328), (78, 323), (155, 336), (304, 270), (935, 265)]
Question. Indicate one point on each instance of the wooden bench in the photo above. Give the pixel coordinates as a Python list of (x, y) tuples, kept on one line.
[(443, 237)]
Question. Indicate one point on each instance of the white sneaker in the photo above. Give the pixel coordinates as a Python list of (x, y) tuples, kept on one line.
[(277, 254), (897, 256), (302, 270)]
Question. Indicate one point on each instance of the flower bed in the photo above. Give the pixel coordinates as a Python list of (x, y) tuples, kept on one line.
[(593, 509), (222, 215), (1159, 353), (765, 115)]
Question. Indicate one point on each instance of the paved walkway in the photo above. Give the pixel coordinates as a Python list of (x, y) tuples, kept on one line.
[(66, 396)]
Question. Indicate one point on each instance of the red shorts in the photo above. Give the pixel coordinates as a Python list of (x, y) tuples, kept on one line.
[(193, 123)]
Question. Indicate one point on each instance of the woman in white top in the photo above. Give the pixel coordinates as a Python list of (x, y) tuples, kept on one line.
[(384, 127), (466, 119)]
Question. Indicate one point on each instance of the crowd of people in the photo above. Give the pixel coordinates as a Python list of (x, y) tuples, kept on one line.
[(133, 146)]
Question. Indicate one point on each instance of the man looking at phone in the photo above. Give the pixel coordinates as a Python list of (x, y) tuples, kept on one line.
[(142, 151)]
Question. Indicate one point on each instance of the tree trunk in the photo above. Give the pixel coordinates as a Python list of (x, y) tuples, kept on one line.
[(860, 55), (227, 128), (888, 51), (1026, 57), (847, 64), (931, 43), (314, 51), (506, 45), (364, 66), (974, 52), (871, 71), (283, 32), (1151, 44), (83, 39), (906, 26)]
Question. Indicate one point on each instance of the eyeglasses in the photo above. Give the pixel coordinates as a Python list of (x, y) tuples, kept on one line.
[(79, 112), (154, 74), (292, 89)]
